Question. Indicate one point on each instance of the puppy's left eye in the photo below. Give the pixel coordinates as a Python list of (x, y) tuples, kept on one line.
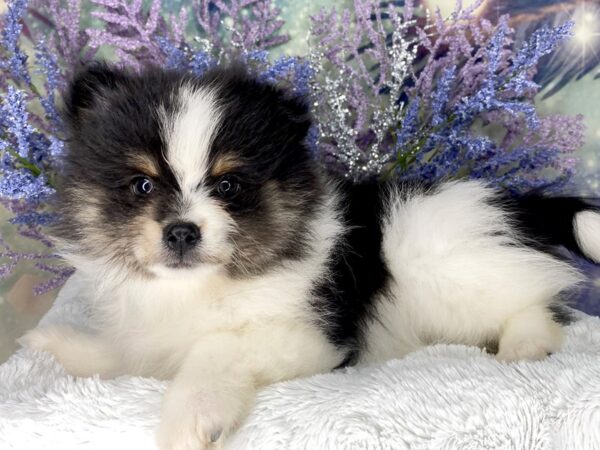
[(142, 186), (228, 186)]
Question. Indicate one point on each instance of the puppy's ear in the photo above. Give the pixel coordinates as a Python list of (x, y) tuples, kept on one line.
[(296, 111), (90, 84)]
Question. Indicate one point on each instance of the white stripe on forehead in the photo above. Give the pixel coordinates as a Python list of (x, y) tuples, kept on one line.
[(189, 133)]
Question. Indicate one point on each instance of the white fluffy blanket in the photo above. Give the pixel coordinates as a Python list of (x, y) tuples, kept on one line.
[(444, 397)]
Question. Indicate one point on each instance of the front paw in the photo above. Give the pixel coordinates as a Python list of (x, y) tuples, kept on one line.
[(196, 420)]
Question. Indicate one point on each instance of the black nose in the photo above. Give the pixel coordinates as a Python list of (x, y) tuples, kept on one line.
[(181, 236)]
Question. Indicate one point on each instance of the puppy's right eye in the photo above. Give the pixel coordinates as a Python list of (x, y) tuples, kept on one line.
[(142, 186), (228, 187)]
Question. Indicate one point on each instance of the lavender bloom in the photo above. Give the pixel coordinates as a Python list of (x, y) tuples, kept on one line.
[(441, 95), (7, 269), (15, 120), (59, 273), (542, 42), (60, 276), (175, 57), (27, 152), (47, 66), (295, 71), (303, 75), (408, 127), (128, 29), (14, 60), (200, 62), (291, 72), (182, 57), (55, 150), (22, 185), (139, 38), (278, 70), (35, 218), (255, 24), (65, 38), (27, 155), (36, 233)]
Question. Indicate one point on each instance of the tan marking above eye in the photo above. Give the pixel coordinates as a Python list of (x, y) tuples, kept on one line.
[(144, 164), (224, 164)]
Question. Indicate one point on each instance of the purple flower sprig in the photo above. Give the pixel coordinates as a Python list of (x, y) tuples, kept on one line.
[(361, 59), (129, 30), (27, 160), (464, 108), (46, 262), (14, 60), (30, 135), (26, 153), (451, 140), (225, 29), (47, 67), (58, 23), (243, 25)]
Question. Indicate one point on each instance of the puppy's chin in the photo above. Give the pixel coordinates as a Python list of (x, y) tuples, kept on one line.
[(183, 271)]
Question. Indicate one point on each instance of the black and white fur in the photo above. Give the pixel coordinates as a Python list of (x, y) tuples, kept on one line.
[(289, 274)]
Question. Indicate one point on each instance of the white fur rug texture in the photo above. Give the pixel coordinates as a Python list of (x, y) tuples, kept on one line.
[(442, 397)]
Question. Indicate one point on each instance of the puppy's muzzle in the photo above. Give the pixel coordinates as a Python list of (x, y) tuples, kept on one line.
[(181, 237)]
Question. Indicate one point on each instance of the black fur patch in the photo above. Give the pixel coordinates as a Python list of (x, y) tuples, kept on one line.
[(345, 298), (561, 314), (548, 221)]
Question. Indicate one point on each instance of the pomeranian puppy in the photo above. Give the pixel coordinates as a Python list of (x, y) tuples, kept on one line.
[(220, 256)]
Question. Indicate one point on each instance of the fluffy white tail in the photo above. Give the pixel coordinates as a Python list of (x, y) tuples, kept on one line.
[(586, 226)]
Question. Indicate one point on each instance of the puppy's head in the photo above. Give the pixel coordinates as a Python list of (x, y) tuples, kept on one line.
[(167, 173)]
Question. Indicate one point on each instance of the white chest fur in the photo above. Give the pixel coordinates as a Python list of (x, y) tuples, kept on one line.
[(154, 323)]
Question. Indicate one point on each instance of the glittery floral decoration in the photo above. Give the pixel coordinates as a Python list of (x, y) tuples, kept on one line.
[(428, 99)]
